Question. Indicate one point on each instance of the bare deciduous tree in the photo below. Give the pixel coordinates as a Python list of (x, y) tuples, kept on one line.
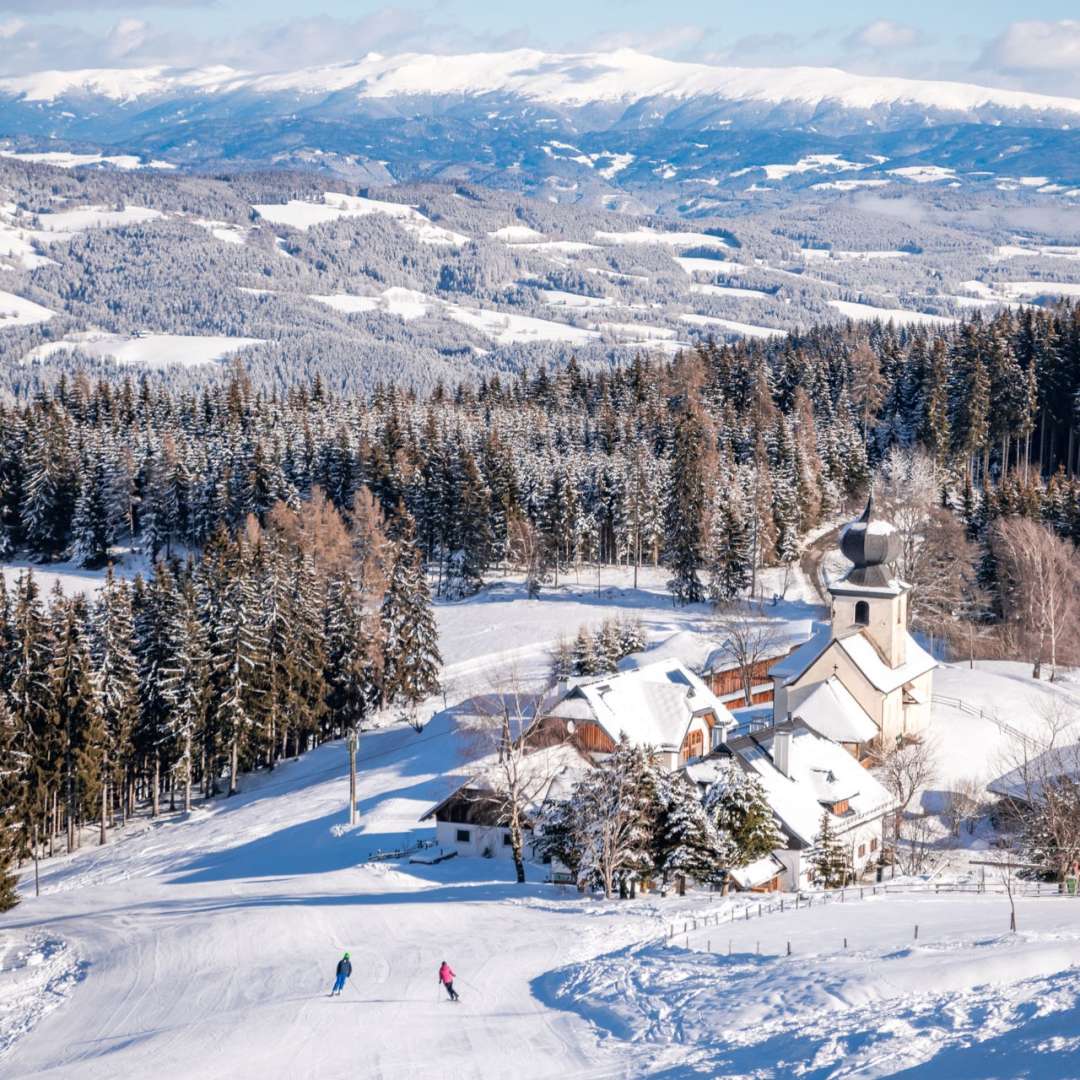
[(748, 637), (905, 769), (935, 555), (1040, 587), (965, 804), (516, 770), (1041, 790)]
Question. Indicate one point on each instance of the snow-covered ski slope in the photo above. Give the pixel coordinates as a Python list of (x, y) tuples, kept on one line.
[(206, 946)]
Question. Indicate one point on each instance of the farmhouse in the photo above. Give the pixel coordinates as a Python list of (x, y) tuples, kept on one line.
[(862, 677), (804, 776), (663, 705), (471, 820)]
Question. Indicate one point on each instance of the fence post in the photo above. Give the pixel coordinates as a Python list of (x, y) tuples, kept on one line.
[(845, 943), (781, 905), (916, 931), (789, 947)]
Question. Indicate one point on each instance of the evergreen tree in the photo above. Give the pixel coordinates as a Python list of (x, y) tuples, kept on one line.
[(117, 674), (736, 802), (686, 838), (585, 658), (410, 643), (828, 859), (687, 508), (14, 761)]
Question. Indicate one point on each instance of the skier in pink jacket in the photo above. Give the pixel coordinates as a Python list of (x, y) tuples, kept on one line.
[(446, 977)]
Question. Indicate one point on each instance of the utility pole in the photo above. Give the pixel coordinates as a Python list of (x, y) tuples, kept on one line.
[(350, 743)]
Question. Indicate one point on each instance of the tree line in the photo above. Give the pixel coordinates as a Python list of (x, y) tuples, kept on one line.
[(279, 636)]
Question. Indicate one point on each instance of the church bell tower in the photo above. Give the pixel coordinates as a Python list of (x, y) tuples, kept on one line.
[(870, 595)]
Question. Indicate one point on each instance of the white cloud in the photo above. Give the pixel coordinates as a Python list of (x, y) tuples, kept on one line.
[(682, 41), (1036, 46), (10, 28), (883, 35)]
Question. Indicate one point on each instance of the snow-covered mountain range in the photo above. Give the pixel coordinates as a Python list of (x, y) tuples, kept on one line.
[(619, 78), (574, 124)]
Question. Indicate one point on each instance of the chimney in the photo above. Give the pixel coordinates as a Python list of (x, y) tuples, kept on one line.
[(562, 686), (719, 736), (782, 751)]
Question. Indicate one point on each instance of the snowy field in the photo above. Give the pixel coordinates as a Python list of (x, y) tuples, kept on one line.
[(206, 944)]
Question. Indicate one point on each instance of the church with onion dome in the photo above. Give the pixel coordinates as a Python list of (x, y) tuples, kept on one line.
[(861, 679)]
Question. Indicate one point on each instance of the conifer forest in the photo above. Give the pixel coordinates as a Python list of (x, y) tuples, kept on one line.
[(295, 538)]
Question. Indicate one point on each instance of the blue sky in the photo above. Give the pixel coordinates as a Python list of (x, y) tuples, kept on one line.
[(1030, 46)]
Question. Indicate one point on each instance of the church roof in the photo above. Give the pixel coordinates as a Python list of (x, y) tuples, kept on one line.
[(860, 649), (829, 708), (863, 654), (798, 660)]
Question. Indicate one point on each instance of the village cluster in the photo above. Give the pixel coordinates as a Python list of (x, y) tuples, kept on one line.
[(788, 775)]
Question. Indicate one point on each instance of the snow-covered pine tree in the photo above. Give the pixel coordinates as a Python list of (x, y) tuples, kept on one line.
[(351, 688), (730, 551), (562, 660), (410, 640), (238, 663), (687, 508), (585, 658), (94, 526), (154, 613), (29, 694), (608, 647), (185, 678), (736, 803), (14, 763), (117, 673), (829, 861), (615, 809), (77, 715), (632, 637), (687, 842)]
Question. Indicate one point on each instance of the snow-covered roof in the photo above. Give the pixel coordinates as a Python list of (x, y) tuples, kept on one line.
[(829, 708), (819, 772), (652, 705), (1027, 780), (756, 873), (696, 651), (798, 660), (547, 773), (868, 660), (863, 654)]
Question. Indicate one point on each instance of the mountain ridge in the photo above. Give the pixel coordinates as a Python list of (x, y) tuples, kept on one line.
[(571, 80)]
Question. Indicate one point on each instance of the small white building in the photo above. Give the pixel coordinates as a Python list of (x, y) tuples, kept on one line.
[(663, 705), (471, 820), (866, 657)]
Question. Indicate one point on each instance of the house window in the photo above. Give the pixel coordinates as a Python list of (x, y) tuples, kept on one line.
[(862, 851), (463, 836), (840, 808), (862, 613), (693, 746), (873, 843), (506, 839)]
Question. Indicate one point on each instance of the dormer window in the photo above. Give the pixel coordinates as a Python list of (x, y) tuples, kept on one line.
[(839, 808), (862, 613)]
